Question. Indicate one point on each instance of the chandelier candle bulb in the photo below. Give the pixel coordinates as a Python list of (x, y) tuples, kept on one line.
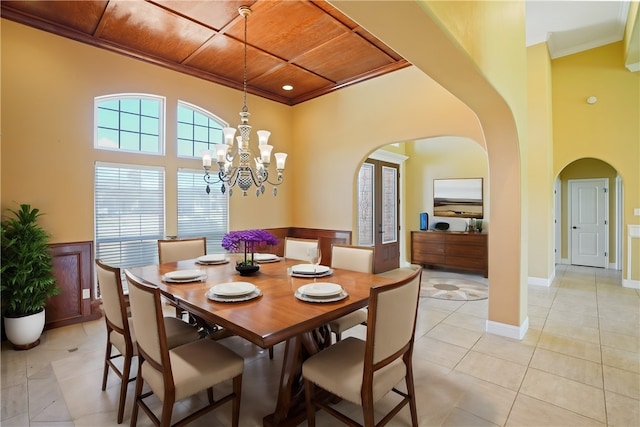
[(265, 153), (206, 158), (280, 160), (221, 153), (263, 137), (229, 134)]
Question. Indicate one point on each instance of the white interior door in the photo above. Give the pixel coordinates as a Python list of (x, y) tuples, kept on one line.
[(589, 237)]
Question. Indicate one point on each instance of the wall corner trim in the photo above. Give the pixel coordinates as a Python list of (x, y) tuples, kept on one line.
[(509, 331), (540, 281)]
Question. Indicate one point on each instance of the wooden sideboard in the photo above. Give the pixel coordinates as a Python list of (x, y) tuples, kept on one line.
[(450, 249)]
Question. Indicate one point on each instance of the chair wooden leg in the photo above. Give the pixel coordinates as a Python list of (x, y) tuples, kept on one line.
[(368, 412), (167, 411), (107, 355), (124, 382), (311, 409), (271, 353), (338, 336), (137, 395), (235, 408), (411, 392)]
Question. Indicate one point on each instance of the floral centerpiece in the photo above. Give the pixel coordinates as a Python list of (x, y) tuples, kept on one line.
[(246, 241)]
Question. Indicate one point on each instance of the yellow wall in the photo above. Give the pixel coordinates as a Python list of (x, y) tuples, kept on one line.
[(48, 87), (540, 175), (607, 130)]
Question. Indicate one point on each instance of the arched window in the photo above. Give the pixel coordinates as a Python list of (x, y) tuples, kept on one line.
[(197, 130)]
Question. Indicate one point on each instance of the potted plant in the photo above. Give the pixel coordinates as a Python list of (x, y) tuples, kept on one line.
[(245, 240), (27, 278)]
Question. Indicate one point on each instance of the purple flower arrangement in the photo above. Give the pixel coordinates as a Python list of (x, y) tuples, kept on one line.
[(245, 240)]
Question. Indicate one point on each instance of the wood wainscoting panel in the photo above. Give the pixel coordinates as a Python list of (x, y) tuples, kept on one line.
[(73, 269)]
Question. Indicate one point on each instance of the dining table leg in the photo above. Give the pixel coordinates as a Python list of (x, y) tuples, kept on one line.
[(290, 406)]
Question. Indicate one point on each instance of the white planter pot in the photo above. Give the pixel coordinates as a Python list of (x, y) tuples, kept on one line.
[(24, 332)]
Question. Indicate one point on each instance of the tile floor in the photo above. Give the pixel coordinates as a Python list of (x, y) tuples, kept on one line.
[(578, 365)]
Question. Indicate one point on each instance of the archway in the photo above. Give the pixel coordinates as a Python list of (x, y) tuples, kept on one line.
[(588, 169)]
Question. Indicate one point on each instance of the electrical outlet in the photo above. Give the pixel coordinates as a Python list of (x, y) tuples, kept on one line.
[(636, 211), (86, 294)]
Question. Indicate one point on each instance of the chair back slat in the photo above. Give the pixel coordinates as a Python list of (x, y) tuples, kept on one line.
[(148, 320), (392, 317), (355, 258), (112, 295), (181, 249), (295, 248)]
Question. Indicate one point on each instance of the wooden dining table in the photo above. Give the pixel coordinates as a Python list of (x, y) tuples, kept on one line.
[(275, 316)]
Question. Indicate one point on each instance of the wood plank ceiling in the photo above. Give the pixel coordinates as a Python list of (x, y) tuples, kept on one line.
[(307, 44)]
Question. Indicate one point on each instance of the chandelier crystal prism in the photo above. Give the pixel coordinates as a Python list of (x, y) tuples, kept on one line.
[(235, 163)]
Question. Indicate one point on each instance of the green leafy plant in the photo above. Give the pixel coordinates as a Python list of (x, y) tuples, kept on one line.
[(26, 273)]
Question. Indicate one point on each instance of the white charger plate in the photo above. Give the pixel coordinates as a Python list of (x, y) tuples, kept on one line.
[(310, 269), (219, 298), (213, 259), (320, 289), (265, 257), (233, 289), (302, 297), (183, 274)]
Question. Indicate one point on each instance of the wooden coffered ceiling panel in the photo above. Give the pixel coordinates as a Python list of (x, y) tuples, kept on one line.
[(307, 44)]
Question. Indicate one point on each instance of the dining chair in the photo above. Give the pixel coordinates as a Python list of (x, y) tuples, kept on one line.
[(363, 372), (296, 248), (120, 331), (173, 374), (355, 258), (172, 250)]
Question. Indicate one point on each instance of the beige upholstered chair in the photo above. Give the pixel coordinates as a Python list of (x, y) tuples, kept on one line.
[(295, 248), (180, 249), (172, 250), (177, 373), (363, 372), (120, 331), (356, 258)]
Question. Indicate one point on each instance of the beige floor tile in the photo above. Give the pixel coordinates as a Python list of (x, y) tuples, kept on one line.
[(15, 402), (621, 325), (591, 335), (505, 348), (621, 359), (565, 393), (530, 412), (573, 368), (492, 369), (466, 321), (620, 341), (438, 352), (483, 399), (454, 335), (458, 418), (622, 382), (571, 347), (561, 317), (622, 411)]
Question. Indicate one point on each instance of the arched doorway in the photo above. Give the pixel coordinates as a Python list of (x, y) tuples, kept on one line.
[(581, 188)]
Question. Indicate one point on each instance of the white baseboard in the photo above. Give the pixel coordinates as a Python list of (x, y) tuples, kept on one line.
[(628, 283), (541, 281), (565, 261), (509, 331)]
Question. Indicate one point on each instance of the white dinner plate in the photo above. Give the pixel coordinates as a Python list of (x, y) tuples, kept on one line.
[(265, 257), (320, 289), (310, 269), (183, 274), (233, 289), (342, 295), (212, 258)]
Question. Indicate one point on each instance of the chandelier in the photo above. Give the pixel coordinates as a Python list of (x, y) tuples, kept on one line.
[(235, 162)]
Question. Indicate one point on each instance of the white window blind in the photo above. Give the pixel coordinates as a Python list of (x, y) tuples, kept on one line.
[(201, 214), (129, 214)]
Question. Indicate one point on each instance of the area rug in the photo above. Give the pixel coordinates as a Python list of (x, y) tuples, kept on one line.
[(453, 289)]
